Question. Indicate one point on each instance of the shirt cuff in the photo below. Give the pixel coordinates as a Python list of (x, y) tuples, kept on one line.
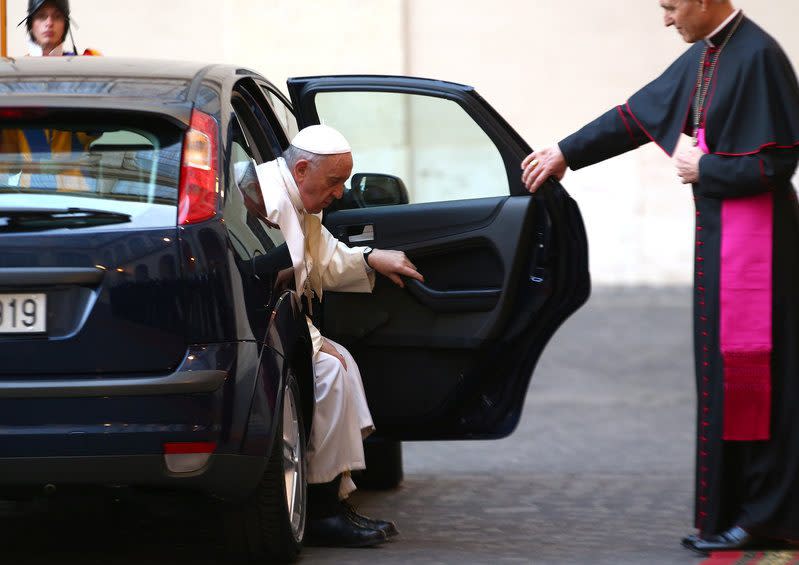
[(366, 265)]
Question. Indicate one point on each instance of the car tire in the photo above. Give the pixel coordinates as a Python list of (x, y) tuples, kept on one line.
[(270, 525), (383, 466)]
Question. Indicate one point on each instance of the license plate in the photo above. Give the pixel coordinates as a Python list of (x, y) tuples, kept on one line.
[(23, 313)]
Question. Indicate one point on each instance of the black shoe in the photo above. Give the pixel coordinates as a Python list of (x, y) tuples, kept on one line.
[(689, 540), (385, 526), (340, 531), (734, 539)]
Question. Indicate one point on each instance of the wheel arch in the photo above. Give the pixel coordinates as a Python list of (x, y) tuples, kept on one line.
[(296, 349), (300, 361)]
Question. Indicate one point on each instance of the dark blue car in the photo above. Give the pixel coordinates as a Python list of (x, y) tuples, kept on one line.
[(150, 335)]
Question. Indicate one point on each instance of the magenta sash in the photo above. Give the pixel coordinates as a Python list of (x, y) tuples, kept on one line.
[(745, 307)]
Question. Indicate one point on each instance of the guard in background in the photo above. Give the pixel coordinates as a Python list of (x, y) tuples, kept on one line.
[(48, 23)]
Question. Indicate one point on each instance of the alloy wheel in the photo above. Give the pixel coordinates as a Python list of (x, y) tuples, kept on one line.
[(293, 464)]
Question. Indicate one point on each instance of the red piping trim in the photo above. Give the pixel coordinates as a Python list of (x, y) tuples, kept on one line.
[(643, 129), (770, 145), (704, 400), (623, 119)]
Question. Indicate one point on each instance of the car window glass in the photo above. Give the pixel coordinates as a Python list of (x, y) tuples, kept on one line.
[(260, 129), (284, 114), (431, 144), (245, 214), (112, 166)]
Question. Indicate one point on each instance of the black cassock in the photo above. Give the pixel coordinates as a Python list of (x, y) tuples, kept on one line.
[(746, 290)]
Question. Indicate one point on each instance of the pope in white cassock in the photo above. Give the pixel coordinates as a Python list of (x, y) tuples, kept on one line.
[(296, 188)]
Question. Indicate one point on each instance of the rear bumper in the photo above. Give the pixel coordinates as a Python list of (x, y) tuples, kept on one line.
[(179, 382), (229, 477), (204, 368), (113, 430)]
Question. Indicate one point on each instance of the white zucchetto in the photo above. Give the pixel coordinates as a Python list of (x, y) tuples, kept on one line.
[(321, 140)]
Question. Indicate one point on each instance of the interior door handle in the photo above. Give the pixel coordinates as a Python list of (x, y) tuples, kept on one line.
[(472, 300), (368, 234)]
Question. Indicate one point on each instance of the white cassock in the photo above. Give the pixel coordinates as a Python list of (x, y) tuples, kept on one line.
[(341, 417)]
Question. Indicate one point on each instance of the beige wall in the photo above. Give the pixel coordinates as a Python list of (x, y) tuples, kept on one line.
[(547, 66)]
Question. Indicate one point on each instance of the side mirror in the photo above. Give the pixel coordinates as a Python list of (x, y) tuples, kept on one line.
[(374, 189)]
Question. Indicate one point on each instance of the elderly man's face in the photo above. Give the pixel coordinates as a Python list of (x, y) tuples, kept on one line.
[(48, 26), (323, 182), (687, 16)]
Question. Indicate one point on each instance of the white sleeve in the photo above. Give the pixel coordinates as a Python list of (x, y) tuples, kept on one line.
[(346, 270)]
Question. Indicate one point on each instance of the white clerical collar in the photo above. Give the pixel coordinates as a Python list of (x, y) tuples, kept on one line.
[(721, 27), (35, 50), (291, 185)]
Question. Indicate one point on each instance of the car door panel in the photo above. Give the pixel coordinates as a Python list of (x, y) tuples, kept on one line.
[(439, 362), (452, 358), (466, 257)]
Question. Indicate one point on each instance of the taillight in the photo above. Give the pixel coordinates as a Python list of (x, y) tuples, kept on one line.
[(198, 171), (187, 457), (21, 113)]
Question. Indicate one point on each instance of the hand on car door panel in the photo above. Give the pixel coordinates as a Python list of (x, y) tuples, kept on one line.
[(394, 265)]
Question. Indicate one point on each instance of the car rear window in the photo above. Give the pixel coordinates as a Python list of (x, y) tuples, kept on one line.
[(125, 166)]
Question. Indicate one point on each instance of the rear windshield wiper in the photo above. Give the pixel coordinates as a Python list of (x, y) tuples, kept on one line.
[(36, 219)]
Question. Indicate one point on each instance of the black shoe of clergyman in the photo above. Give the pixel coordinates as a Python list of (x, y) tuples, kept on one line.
[(736, 538), (340, 531), (385, 526), (688, 540)]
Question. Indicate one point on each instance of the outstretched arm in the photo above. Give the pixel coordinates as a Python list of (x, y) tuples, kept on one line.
[(613, 133)]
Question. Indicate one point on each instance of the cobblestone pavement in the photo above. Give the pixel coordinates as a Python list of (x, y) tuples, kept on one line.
[(598, 472)]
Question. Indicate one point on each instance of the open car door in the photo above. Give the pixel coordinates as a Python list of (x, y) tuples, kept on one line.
[(438, 176)]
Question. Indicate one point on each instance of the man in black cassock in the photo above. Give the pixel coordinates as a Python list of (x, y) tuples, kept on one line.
[(735, 92)]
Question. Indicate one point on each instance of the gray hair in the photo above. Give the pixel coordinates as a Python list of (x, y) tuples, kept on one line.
[(293, 155)]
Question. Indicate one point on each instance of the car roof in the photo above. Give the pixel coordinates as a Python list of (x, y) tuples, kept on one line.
[(116, 67), (167, 87)]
